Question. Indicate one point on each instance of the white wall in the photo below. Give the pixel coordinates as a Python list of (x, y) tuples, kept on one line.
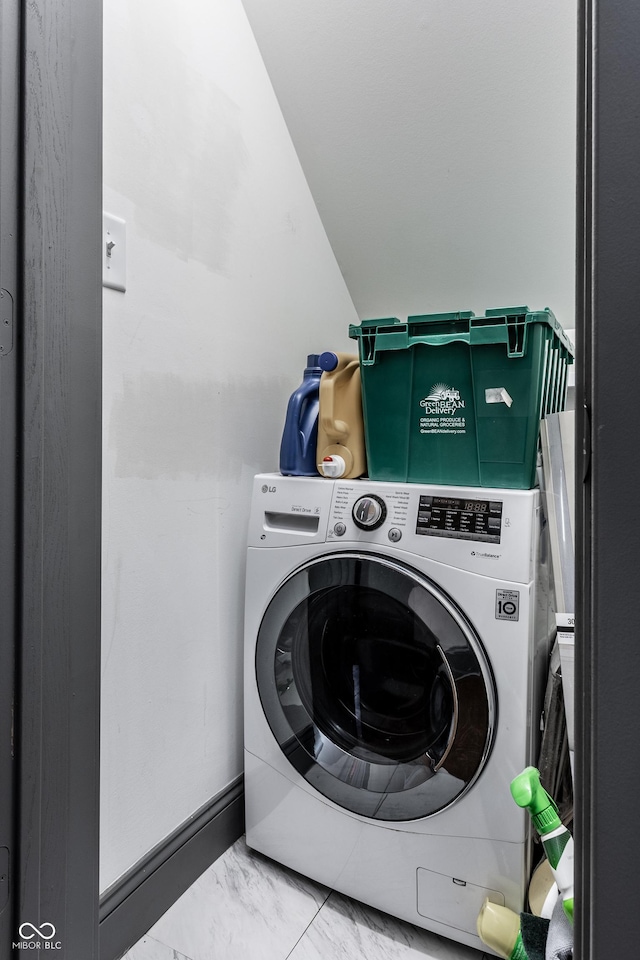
[(230, 283), (438, 139)]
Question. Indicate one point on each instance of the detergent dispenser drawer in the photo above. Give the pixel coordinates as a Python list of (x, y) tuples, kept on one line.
[(452, 900)]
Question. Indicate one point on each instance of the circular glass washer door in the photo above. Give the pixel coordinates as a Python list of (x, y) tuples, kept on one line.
[(375, 686)]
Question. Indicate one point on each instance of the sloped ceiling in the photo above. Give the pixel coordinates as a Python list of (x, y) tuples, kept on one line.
[(438, 140)]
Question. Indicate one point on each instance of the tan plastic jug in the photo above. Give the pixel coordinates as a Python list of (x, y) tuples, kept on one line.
[(341, 449)]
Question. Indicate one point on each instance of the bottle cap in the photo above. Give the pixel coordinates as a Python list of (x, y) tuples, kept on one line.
[(333, 467), (328, 360), (313, 365), (499, 928)]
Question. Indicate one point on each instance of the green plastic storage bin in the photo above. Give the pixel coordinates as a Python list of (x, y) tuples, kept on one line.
[(452, 398)]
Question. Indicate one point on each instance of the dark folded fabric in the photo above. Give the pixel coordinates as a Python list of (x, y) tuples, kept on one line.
[(533, 931)]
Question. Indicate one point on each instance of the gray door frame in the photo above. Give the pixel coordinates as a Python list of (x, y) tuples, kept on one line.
[(608, 458), (9, 304), (60, 455)]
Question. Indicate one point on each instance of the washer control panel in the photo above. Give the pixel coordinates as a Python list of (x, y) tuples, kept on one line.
[(460, 518), (484, 530), (487, 531), (426, 514)]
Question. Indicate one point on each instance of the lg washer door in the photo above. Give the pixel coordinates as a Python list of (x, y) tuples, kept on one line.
[(375, 686)]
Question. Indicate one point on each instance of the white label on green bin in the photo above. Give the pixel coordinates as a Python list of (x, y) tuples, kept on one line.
[(440, 409)]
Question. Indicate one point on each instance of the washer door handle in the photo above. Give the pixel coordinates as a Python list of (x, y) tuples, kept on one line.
[(456, 711)]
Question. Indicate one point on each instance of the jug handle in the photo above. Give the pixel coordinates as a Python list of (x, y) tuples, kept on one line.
[(336, 430), (295, 406)]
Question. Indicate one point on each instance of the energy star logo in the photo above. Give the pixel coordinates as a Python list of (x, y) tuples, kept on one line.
[(36, 938)]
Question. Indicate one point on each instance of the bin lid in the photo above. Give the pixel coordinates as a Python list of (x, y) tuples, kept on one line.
[(507, 325)]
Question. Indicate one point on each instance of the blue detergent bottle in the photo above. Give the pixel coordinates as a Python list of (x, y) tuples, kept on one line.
[(300, 435)]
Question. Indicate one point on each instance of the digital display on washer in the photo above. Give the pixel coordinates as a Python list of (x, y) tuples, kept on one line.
[(462, 518)]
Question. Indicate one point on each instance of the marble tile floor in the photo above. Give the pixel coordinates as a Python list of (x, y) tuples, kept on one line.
[(246, 907)]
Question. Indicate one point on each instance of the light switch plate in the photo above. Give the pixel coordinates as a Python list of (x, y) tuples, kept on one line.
[(114, 252)]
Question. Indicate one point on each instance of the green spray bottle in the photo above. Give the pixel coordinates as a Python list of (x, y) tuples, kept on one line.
[(527, 791)]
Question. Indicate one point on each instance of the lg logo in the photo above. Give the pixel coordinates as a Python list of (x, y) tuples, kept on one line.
[(267, 489)]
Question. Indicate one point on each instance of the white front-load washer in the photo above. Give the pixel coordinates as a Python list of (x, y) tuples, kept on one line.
[(396, 645)]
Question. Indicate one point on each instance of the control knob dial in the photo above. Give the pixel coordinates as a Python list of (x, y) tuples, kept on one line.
[(369, 512)]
